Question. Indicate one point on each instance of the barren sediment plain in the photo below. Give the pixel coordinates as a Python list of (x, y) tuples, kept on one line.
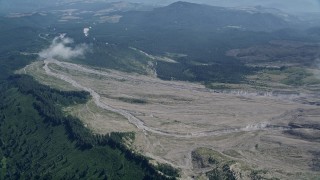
[(195, 129)]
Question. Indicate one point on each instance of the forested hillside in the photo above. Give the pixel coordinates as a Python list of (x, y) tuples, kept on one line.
[(38, 140)]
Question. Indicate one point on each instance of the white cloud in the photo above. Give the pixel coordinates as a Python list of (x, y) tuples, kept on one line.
[(59, 49), (86, 31)]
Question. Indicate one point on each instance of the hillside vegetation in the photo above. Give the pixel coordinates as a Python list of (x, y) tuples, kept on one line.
[(38, 140)]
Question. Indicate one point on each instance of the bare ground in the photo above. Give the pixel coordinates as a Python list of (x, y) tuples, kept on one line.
[(179, 117)]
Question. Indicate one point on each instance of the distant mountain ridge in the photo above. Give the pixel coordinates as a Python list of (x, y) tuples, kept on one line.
[(289, 6), (183, 14)]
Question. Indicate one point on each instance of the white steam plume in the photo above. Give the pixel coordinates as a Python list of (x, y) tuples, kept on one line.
[(86, 31), (59, 49)]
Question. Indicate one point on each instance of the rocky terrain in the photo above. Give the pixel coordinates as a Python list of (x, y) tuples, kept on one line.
[(202, 132)]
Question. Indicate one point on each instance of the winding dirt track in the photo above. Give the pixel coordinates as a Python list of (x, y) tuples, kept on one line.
[(134, 120)]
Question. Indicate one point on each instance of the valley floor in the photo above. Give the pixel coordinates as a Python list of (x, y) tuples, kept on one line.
[(188, 126)]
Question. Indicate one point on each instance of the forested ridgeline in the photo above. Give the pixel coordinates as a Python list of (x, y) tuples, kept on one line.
[(39, 141)]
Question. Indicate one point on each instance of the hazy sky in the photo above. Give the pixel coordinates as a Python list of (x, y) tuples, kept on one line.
[(286, 5)]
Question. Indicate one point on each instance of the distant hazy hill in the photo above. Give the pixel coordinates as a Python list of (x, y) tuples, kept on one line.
[(12, 6), (186, 15), (292, 6), (9, 6)]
